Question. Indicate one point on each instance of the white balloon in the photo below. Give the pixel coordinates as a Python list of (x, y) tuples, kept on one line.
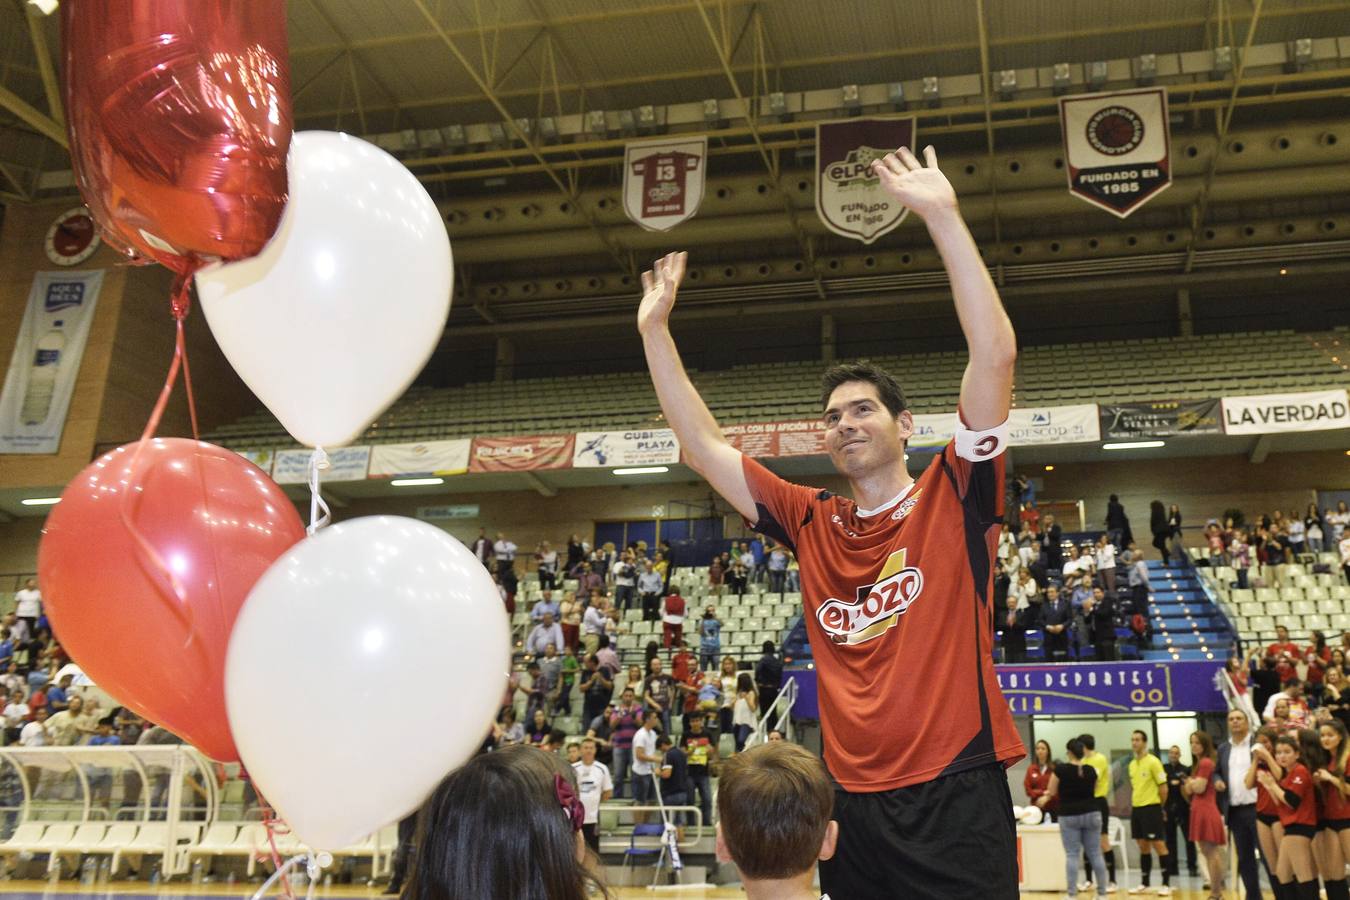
[(1032, 815), (365, 665), (332, 321)]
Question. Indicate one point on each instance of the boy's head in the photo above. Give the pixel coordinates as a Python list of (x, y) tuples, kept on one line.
[(774, 803)]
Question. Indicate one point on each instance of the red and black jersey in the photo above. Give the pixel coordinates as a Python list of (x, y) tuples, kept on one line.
[(1299, 783), (898, 610), (1265, 804)]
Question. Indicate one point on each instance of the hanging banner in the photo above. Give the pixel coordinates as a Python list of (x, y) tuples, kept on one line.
[(610, 449), (425, 459), (263, 459), (345, 464), (521, 454), (933, 431), (1273, 413), (1054, 425), (849, 197), (1117, 147), (46, 360), (663, 181), (1163, 418), (800, 437), (452, 511)]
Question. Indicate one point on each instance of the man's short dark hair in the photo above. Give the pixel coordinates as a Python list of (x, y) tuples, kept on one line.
[(1089, 741), (663, 741), (888, 390), (1141, 734)]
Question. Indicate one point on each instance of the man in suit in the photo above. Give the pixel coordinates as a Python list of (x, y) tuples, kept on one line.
[(1014, 632), (1058, 614), (1237, 802)]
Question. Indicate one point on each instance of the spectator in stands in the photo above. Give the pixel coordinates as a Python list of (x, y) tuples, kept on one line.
[(593, 624), (589, 582), (1177, 812), (58, 695), (73, 724), (1161, 528), (701, 752), (658, 692), (794, 583), (1050, 537), (569, 618), (650, 585), (774, 808), (745, 713), (1024, 589), (716, 576), (595, 785), (607, 656), (1014, 630), (507, 824), (709, 639), (1337, 524), (576, 554), (35, 733), (16, 713), (1239, 556), (1315, 527), (777, 567), (1214, 546), (539, 728), (1344, 547), (482, 548), (506, 730), (546, 633), (28, 604), (1282, 643), (645, 760), (1058, 616), (674, 774), (1037, 779), (738, 576), (546, 564), (545, 604), (624, 722), (1080, 820), (11, 681), (1106, 564), (1297, 533), (1117, 523), (672, 618), (768, 676), (1100, 613), (596, 688), (623, 574)]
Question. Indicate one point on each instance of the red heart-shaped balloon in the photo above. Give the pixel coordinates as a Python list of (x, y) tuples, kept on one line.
[(180, 120), (144, 565)]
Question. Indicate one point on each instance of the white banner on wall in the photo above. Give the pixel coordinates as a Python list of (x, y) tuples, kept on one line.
[(1272, 413), (46, 360), (608, 449), (345, 464), (934, 430), (663, 181), (426, 459), (1078, 424)]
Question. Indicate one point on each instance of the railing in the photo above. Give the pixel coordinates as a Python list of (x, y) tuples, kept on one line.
[(778, 717)]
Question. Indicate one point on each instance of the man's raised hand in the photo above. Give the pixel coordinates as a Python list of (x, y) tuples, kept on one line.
[(659, 285), (923, 189)]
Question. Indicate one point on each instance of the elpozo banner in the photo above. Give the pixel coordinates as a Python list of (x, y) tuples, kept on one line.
[(521, 454), (46, 360), (663, 181), (344, 464), (611, 449), (1159, 419), (1077, 424), (849, 197), (429, 458), (1117, 147), (1276, 413)]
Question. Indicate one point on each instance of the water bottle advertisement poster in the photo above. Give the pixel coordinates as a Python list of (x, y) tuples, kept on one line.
[(46, 360)]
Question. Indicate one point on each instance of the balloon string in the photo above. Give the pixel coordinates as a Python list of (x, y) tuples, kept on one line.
[(318, 461), (279, 869)]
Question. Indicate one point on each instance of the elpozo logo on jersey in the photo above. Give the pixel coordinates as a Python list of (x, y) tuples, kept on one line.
[(878, 606)]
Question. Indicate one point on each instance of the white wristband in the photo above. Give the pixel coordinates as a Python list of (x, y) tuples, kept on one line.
[(980, 446)]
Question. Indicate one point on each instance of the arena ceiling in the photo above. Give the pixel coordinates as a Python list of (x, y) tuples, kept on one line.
[(493, 105)]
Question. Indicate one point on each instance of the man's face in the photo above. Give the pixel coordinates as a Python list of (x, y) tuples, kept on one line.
[(1238, 726), (546, 596), (860, 432), (1012, 604), (1138, 743), (627, 696), (548, 619), (41, 714), (1174, 754), (696, 725), (1098, 595), (1282, 633), (657, 665), (1049, 520), (550, 651), (588, 753), (1052, 593), (31, 584)]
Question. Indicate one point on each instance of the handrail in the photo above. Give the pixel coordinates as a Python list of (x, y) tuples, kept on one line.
[(782, 707)]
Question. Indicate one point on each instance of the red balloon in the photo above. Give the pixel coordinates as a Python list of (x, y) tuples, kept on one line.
[(180, 119), (144, 565)]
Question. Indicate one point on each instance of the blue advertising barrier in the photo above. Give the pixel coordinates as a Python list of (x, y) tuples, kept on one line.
[(1077, 688)]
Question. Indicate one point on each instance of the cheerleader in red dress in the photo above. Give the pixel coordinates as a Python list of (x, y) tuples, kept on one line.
[(1269, 831), (1333, 830), (1297, 800), (1206, 824)]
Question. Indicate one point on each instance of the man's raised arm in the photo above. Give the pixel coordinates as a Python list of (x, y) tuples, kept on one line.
[(986, 387), (700, 438)]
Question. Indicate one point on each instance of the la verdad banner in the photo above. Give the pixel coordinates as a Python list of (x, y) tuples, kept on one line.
[(1275, 413), (46, 361)]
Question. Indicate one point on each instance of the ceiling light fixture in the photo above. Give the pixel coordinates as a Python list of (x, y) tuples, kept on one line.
[(1134, 445), (1049, 468), (643, 470), (41, 501), (416, 482)]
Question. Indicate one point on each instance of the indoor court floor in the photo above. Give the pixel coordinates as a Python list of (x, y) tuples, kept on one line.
[(41, 890)]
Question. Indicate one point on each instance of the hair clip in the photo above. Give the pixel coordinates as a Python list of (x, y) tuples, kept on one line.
[(567, 799)]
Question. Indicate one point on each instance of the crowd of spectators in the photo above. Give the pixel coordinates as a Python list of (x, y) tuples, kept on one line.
[(1275, 538)]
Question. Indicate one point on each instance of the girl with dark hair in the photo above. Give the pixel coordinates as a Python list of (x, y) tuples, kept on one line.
[(1206, 824), (1269, 831), (1332, 844), (1296, 799), (745, 714), (1157, 523), (506, 824), (1037, 780), (1080, 820)]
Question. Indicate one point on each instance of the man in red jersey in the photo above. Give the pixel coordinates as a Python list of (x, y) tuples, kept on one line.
[(896, 585)]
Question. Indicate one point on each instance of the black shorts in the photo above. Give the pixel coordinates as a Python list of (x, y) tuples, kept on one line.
[(1334, 824), (1298, 829), (1267, 819), (1104, 808), (952, 838), (1146, 823)]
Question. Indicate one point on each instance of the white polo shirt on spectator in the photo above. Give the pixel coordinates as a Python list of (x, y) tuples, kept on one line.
[(594, 621), (592, 781), (504, 550), (644, 740), (28, 604)]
